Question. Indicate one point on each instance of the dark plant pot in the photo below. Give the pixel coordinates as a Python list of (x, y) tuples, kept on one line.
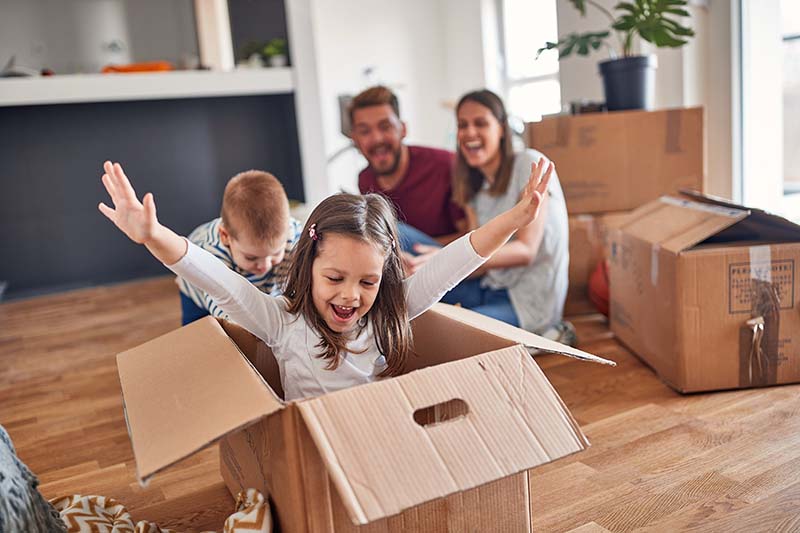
[(629, 82)]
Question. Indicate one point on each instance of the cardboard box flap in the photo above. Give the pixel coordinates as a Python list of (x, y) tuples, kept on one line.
[(513, 334), (760, 225), (392, 445), (186, 389), (678, 224)]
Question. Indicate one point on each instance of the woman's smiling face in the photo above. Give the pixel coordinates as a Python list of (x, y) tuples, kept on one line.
[(479, 136), (346, 275)]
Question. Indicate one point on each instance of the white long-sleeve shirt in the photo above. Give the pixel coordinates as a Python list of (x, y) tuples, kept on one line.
[(294, 342)]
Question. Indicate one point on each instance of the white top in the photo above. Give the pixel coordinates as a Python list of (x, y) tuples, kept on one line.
[(537, 290), (293, 341)]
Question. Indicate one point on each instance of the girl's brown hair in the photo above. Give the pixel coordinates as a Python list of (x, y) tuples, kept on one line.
[(467, 181), (370, 218)]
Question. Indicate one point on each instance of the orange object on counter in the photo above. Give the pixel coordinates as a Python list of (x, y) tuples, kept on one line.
[(148, 66)]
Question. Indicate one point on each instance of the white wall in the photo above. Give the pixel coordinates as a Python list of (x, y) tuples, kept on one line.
[(579, 76), (428, 51)]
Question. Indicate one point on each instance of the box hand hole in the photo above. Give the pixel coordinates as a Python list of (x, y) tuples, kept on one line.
[(441, 412)]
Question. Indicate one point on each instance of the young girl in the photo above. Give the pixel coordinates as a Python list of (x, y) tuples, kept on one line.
[(344, 317), (525, 282)]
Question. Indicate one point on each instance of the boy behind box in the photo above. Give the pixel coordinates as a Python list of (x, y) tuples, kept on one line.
[(252, 237)]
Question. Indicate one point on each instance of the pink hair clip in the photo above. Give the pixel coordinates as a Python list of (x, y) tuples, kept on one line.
[(312, 232)]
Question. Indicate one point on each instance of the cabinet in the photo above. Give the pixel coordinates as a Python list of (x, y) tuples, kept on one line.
[(180, 134)]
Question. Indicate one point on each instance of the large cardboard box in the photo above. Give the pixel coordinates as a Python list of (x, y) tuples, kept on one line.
[(706, 293), (589, 243), (445, 447), (619, 161)]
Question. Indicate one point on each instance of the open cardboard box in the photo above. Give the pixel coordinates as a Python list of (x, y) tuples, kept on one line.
[(621, 160), (705, 291), (446, 446)]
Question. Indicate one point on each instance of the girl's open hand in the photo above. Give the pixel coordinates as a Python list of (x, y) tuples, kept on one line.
[(531, 198), (136, 219)]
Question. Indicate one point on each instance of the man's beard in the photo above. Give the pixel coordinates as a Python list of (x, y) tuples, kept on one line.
[(393, 167)]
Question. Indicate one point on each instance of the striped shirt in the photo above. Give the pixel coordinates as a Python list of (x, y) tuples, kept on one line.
[(207, 237)]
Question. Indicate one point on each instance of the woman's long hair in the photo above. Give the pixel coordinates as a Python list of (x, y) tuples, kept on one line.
[(467, 180), (370, 218)]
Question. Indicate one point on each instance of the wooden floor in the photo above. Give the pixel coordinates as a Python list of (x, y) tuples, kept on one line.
[(660, 461)]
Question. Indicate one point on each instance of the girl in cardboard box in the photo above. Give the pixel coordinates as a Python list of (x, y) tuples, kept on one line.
[(344, 317)]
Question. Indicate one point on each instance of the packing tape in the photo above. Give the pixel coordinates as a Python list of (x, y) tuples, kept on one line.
[(654, 251), (761, 263)]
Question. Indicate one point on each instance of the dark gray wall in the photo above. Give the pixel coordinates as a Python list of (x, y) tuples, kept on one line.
[(184, 151)]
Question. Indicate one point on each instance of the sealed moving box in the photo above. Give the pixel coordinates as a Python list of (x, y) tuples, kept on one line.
[(619, 161), (589, 243), (445, 447), (706, 293)]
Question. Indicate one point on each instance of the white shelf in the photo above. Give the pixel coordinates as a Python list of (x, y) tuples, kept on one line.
[(76, 88)]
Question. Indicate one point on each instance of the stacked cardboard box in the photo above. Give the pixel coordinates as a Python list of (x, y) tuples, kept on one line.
[(589, 243), (611, 163), (706, 293), (446, 447)]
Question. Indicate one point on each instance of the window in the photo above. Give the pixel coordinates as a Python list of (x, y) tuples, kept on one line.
[(532, 86), (790, 33), (769, 102)]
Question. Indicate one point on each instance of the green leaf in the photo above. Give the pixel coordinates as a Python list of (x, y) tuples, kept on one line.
[(625, 23), (580, 5), (548, 46), (579, 43), (681, 12)]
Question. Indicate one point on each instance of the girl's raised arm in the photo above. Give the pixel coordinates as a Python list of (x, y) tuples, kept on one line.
[(259, 313), (138, 219), (488, 238)]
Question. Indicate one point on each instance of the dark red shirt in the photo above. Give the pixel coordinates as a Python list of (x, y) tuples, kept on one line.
[(423, 198)]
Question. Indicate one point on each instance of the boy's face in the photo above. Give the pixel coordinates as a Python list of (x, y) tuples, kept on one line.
[(345, 278), (253, 255), (378, 133)]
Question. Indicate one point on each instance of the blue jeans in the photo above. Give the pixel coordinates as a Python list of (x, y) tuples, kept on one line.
[(409, 236), (190, 311), (494, 303)]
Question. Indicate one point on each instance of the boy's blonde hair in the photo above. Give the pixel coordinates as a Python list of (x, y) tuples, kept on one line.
[(255, 203)]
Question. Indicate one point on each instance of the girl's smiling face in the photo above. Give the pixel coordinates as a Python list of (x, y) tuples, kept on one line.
[(346, 275), (479, 134)]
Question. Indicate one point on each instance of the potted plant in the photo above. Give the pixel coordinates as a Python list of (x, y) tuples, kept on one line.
[(275, 52), (628, 81)]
